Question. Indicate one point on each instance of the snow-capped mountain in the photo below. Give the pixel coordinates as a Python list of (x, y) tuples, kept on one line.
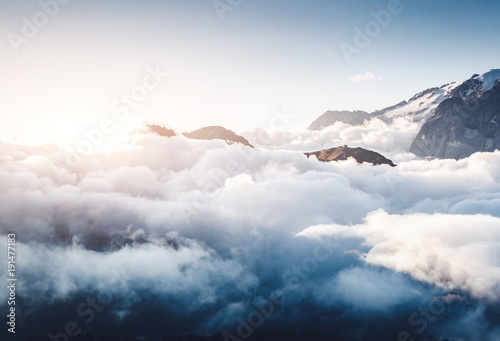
[(457, 119), (465, 123), (420, 107)]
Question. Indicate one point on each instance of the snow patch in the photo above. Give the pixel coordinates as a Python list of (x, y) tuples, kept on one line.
[(420, 111), (489, 79)]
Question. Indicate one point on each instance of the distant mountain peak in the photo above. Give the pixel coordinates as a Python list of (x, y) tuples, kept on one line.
[(356, 117), (217, 132), (162, 131)]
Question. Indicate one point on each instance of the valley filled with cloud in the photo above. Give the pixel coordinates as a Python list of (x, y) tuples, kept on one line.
[(188, 236)]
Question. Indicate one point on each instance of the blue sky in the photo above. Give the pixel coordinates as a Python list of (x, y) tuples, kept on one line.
[(265, 55)]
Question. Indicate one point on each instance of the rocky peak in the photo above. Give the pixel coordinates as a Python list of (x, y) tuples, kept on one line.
[(217, 132), (162, 131), (361, 155)]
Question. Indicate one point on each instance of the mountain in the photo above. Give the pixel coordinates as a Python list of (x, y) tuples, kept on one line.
[(419, 107), (359, 154), (217, 132), (465, 123), (206, 133), (458, 119), (162, 131), (330, 117)]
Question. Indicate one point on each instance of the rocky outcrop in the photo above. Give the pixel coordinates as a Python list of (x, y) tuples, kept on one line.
[(462, 125), (361, 155), (217, 132)]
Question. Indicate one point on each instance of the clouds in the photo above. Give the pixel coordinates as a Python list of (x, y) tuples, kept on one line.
[(162, 266), (204, 229), (389, 139), (362, 77), (451, 251)]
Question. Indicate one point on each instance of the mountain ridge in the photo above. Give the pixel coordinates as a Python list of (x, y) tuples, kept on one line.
[(462, 125), (458, 119)]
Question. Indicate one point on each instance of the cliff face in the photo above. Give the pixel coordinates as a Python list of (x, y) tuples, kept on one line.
[(462, 125), (359, 154)]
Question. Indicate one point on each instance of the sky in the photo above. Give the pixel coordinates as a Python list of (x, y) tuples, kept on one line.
[(232, 67)]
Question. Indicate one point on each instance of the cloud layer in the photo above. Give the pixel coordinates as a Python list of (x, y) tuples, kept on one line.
[(199, 232)]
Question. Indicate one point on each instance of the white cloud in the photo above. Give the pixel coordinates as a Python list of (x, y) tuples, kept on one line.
[(213, 225), (388, 139), (361, 78), (451, 251)]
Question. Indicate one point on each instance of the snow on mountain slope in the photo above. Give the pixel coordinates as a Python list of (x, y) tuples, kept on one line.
[(422, 105), (489, 79), (464, 124)]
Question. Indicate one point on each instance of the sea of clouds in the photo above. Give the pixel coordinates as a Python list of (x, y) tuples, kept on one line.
[(190, 236)]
